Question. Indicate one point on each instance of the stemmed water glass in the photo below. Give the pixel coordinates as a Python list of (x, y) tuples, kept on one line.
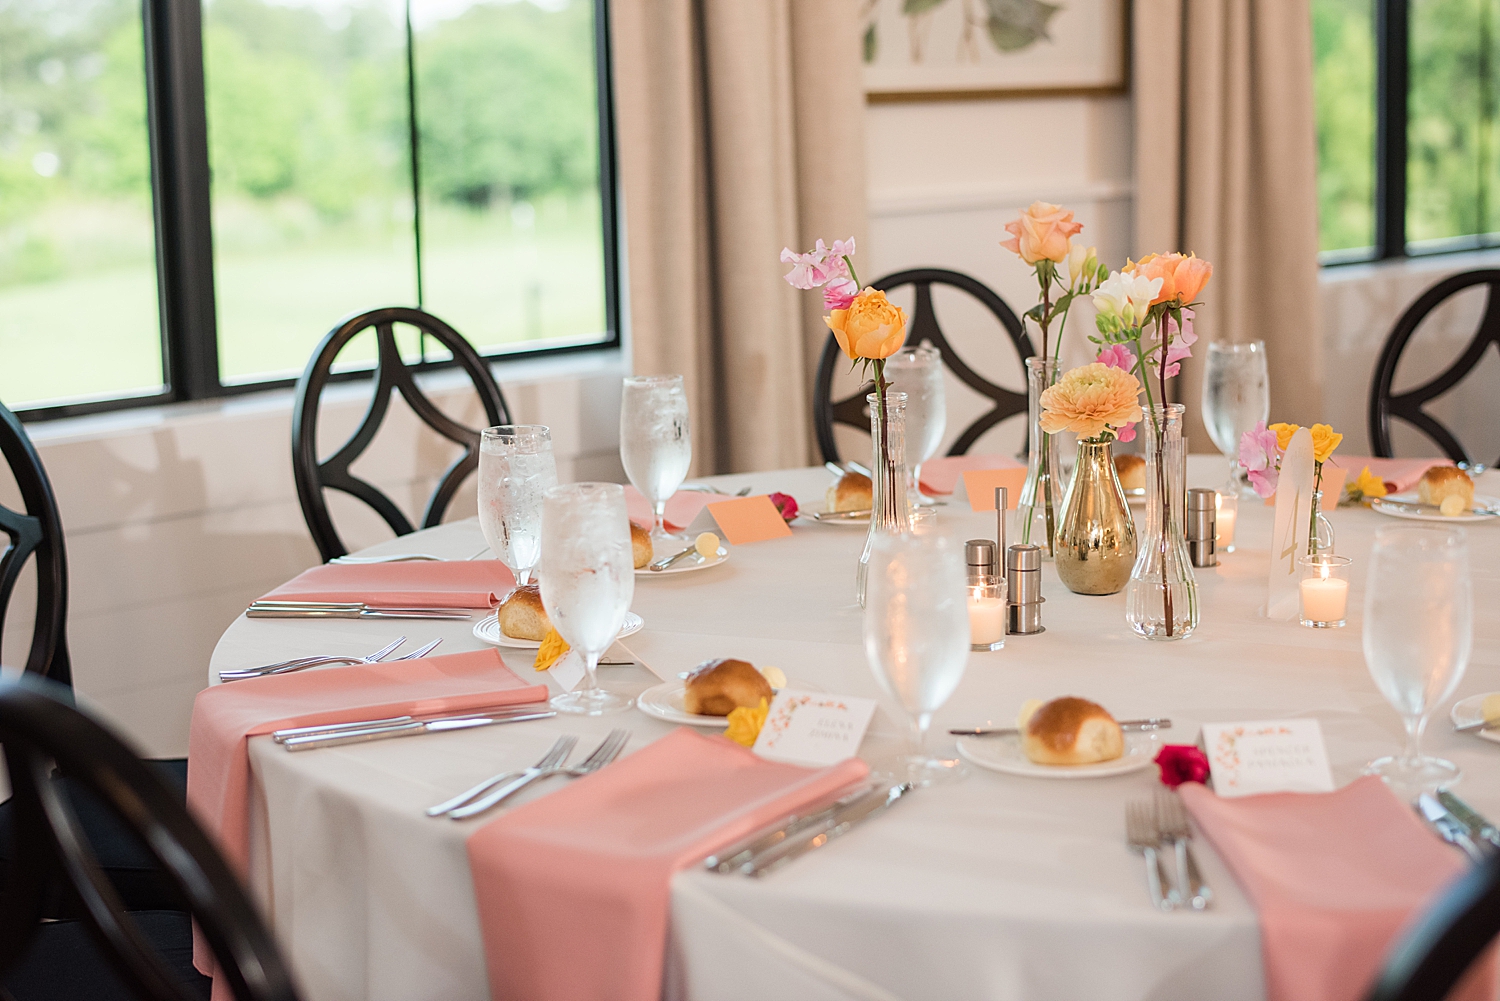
[(918, 372), (1419, 630), (917, 635), (1236, 394), (655, 445), (588, 580), (515, 467)]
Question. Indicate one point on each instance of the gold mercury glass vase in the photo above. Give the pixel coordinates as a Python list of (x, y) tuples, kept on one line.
[(1094, 548)]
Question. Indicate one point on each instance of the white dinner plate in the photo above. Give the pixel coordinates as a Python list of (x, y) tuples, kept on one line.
[(664, 701), (488, 630), (1471, 710), (1004, 754), (1410, 497), (686, 566)]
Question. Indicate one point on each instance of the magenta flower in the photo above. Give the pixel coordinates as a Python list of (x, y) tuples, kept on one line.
[(839, 293), (786, 505), (1117, 356), (1260, 455)]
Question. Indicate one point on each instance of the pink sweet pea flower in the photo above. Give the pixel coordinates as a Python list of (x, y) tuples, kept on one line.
[(1179, 343), (1126, 433), (809, 270), (838, 267), (1260, 455), (839, 293), (1117, 356)]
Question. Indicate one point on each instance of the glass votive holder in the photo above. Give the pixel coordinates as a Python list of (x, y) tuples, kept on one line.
[(1325, 590), (986, 612), (923, 520), (1228, 511)]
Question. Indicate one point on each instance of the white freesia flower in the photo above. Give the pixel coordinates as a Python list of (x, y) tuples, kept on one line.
[(1077, 256), (1112, 297)]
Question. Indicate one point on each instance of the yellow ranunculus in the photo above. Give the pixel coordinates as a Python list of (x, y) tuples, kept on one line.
[(745, 723), (1325, 440), (1367, 484), (1284, 434), (872, 326)]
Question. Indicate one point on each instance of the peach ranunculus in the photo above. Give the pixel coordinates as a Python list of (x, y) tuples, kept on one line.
[(1324, 440), (872, 326), (1284, 434), (1183, 276), (1042, 233), (1091, 399)]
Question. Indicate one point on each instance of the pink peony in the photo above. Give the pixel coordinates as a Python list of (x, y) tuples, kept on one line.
[(839, 293), (1117, 356), (786, 504), (1260, 455)]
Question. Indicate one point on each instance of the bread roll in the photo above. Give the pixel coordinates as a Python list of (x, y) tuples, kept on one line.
[(640, 542), (1070, 731), (852, 492), (718, 687), (1441, 482), (1131, 469), (522, 616)]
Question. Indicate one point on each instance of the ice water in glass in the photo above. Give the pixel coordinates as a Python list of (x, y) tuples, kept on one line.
[(516, 467), (655, 445), (1236, 395), (918, 372)]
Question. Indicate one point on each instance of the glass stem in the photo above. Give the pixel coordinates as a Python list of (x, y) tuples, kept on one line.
[(1411, 755), (919, 725), (590, 663), (523, 576), (661, 517)]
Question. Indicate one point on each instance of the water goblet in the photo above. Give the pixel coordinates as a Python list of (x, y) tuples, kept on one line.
[(918, 372), (655, 445), (1418, 633), (916, 633), (588, 580), (516, 466), (1236, 394)]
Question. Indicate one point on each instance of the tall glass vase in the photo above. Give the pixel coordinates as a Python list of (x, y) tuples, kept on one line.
[(1095, 539), (1042, 493), (1161, 600), (890, 511)]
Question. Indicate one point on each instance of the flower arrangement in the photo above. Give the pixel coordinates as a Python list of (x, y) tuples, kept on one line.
[(1097, 402), (1263, 447)]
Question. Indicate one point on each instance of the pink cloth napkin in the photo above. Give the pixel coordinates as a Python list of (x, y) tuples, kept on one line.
[(941, 475), (682, 508), (1334, 878), (573, 887), (1399, 475), (417, 584)]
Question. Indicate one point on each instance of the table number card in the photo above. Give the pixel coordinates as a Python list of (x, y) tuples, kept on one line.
[(814, 728), (1294, 492), (1247, 759)]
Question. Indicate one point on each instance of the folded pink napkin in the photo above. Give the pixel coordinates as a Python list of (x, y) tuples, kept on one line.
[(573, 887), (941, 475), (682, 508), (1334, 877), (1399, 475), (417, 584)]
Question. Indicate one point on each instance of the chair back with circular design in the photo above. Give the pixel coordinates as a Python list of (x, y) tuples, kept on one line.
[(1409, 406), (923, 326), (392, 374), (1437, 950), (35, 529)]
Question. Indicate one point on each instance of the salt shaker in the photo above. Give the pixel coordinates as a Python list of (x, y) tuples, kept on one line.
[(1202, 518), (1023, 565), (979, 554)]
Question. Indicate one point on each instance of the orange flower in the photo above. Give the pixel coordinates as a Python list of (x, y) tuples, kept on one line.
[(1042, 233), (1183, 277), (1284, 434), (1091, 399), (872, 326)]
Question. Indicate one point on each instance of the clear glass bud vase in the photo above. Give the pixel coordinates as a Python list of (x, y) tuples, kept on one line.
[(1095, 539), (890, 511), (1042, 494), (1161, 600)]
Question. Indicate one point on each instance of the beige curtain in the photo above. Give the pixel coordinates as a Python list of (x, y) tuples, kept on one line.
[(1226, 167), (741, 131)]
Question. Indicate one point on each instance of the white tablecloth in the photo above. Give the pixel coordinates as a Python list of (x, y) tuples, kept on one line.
[(994, 887)]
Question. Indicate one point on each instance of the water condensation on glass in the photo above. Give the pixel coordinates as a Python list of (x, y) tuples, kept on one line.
[(514, 473), (918, 372), (587, 564), (656, 444)]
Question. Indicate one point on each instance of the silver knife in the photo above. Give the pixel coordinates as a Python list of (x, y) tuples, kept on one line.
[(730, 858), (356, 613), (313, 741), (281, 736), (1479, 827), (840, 823), (1154, 723), (1449, 827)]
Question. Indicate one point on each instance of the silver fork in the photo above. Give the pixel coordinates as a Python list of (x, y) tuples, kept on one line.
[(1172, 823), (552, 759), (603, 755), (1142, 835), (416, 654), (302, 662)]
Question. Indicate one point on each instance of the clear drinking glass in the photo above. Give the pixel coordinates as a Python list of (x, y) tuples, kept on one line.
[(516, 467), (1236, 394), (655, 445), (588, 580), (1419, 630), (917, 634), (918, 372)]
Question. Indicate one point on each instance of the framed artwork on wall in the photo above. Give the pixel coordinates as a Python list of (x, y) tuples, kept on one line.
[(918, 50)]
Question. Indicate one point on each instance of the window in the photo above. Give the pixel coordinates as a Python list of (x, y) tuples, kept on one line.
[(1407, 133), (313, 158)]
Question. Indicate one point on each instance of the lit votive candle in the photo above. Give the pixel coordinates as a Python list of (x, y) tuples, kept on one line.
[(1228, 508), (1325, 592), (986, 613)]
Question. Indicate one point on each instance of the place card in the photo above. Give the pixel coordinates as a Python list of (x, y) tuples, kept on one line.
[(1247, 759), (813, 728), (749, 519), (1293, 518), (981, 483)]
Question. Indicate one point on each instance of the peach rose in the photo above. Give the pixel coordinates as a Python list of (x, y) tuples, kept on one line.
[(1042, 233), (1182, 276), (872, 326), (1091, 399)]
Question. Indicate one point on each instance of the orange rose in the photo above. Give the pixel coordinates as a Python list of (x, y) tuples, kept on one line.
[(872, 326), (1042, 233), (1182, 276)]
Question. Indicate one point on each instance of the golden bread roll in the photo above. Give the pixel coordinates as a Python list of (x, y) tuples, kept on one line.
[(640, 542), (522, 616), (1071, 731), (1131, 469), (719, 687), (1441, 482), (852, 492)]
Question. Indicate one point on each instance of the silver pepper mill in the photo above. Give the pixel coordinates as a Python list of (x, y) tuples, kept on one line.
[(979, 554), (1202, 526), (1023, 576)]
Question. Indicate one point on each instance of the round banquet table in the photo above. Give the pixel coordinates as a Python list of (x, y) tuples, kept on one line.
[(996, 886)]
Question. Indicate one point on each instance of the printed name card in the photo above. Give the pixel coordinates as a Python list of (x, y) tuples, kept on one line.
[(1247, 759), (749, 519), (1293, 517), (814, 728), (981, 483)]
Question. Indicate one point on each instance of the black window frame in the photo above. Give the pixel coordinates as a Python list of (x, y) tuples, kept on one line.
[(177, 123)]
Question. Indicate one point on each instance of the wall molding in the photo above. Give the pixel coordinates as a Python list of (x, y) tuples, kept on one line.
[(963, 198)]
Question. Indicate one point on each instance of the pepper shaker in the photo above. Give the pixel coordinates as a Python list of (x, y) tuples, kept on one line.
[(1023, 566), (979, 554), (1202, 518)]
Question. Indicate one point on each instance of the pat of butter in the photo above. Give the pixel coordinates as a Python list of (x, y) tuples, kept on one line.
[(774, 676), (707, 545), (1028, 709)]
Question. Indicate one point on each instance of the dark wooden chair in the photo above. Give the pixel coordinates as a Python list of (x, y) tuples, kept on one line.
[(1386, 404), (1433, 954), (391, 374), (41, 733), (923, 326)]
